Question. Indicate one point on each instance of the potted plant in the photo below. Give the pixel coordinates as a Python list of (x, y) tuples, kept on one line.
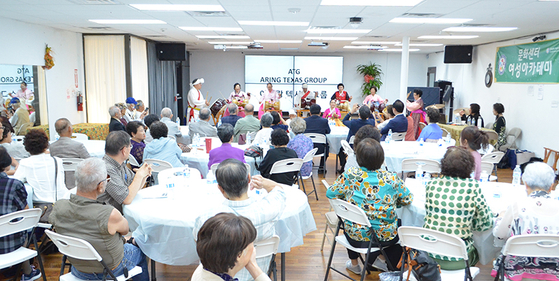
[(371, 73)]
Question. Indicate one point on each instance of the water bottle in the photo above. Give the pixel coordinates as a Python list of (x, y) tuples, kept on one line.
[(249, 139), (170, 186), (484, 177), (389, 137), (516, 174), (419, 174), (447, 139), (421, 142), (210, 178), (479, 124), (178, 122)]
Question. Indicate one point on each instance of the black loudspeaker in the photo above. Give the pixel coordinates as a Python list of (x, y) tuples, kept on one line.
[(458, 54), (171, 51)]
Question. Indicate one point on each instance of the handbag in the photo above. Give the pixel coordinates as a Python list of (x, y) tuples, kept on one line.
[(254, 151), (48, 207), (423, 267)]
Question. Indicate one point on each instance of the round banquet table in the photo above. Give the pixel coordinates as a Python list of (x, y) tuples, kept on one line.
[(397, 151), (498, 195), (337, 134), (163, 226), (456, 130), (95, 148), (199, 160)]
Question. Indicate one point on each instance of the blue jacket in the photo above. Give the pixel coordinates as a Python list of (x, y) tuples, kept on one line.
[(165, 149), (231, 119), (356, 124), (398, 125), (431, 132)]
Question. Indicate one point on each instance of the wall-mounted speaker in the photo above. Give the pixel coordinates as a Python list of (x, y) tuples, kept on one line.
[(171, 51), (458, 54)]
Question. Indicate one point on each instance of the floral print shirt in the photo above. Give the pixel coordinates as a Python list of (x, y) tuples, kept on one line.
[(378, 193), (138, 150), (302, 145)]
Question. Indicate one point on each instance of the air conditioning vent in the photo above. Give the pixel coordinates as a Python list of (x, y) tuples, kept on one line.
[(421, 15), (208, 13)]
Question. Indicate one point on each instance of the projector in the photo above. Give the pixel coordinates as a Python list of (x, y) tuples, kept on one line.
[(220, 47)]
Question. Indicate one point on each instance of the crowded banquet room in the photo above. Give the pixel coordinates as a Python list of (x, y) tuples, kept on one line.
[(279, 140)]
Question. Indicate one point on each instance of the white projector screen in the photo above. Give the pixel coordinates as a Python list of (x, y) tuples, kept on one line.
[(287, 73)]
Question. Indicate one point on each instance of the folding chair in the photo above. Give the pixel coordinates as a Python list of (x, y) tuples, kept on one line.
[(439, 243), (488, 168), (494, 158), (320, 139), (347, 148), (422, 125), (398, 136), (291, 165), (18, 222), (348, 211), (132, 161), (157, 166), (80, 249), (307, 158), (427, 165), (331, 221), (266, 248), (445, 132), (78, 136), (537, 245), (492, 135), (70, 164)]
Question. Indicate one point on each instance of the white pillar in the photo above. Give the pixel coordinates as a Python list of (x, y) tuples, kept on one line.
[(404, 69)]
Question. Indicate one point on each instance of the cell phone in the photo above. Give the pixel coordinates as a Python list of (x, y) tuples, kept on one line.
[(146, 110)]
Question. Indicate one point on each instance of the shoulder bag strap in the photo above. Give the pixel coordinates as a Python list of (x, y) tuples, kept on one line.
[(55, 179)]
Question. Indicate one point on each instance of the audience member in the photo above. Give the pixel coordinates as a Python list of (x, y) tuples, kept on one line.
[(416, 109), (115, 124), (248, 124), (14, 148), (450, 212), (278, 122), (388, 115), (130, 113), (279, 139), (473, 139), (122, 107), (124, 184), (292, 115), (141, 111), (333, 111), (162, 147), (367, 131), (262, 138), (354, 126), (500, 125), (225, 151), (301, 144), (147, 121), (172, 127), (137, 133), (233, 180), (474, 116), (103, 226), (19, 118), (318, 125), (410, 133), (202, 127), (233, 117), (368, 187), (398, 124), (431, 131)]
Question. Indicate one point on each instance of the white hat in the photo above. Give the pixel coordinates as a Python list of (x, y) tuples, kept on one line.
[(292, 111), (198, 81), (304, 86)]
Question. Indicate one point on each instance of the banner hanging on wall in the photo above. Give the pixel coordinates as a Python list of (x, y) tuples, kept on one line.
[(536, 62)]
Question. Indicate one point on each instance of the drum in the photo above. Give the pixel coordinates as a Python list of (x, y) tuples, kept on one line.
[(217, 106), (343, 105), (271, 105), (241, 103), (306, 103)]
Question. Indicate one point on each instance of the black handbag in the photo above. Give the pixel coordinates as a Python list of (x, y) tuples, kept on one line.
[(423, 267), (254, 151), (48, 207)]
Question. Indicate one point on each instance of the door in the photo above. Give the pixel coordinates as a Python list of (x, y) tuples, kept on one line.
[(431, 76)]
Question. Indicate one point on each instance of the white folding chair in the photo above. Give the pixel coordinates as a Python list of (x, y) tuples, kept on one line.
[(132, 160), (213, 168), (348, 211), (352, 140), (331, 221), (512, 135), (536, 245), (493, 136), (70, 164), (494, 158), (320, 139), (157, 166), (291, 165), (18, 138), (422, 125), (308, 157), (21, 221), (266, 248), (168, 174), (439, 243), (80, 249), (488, 168), (445, 132), (427, 165), (347, 148), (78, 136), (398, 136)]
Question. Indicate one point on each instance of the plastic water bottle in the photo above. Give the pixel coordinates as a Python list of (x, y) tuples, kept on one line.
[(516, 174), (479, 124), (170, 189), (249, 139), (447, 139), (210, 178), (421, 142), (419, 174), (389, 137), (178, 121), (484, 177)]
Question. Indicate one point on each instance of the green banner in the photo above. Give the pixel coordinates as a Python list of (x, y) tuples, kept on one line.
[(536, 62)]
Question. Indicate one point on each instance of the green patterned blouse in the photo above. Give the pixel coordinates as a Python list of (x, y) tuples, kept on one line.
[(456, 206), (500, 127)]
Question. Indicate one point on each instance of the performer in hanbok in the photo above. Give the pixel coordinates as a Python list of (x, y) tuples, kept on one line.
[(240, 97), (374, 99), (416, 109), (341, 95), (195, 99), (269, 96)]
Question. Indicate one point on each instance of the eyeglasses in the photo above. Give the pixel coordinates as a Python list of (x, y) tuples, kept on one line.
[(108, 179)]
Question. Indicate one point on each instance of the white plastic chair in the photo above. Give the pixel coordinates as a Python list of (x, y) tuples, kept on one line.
[(291, 165), (156, 167), (445, 132), (133, 161), (348, 211), (427, 165), (494, 158), (70, 164), (352, 139), (82, 250), (439, 243), (320, 139), (18, 138), (398, 136), (9, 224), (78, 136), (331, 221), (488, 168), (308, 157), (512, 135), (536, 245), (266, 248), (347, 148), (168, 174)]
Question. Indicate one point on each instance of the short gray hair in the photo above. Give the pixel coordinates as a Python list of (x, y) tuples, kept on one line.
[(116, 140), (538, 175), (232, 108), (266, 120), (89, 173), (298, 125), (225, 132), (166, 112), (204, 114), (140, 103), (113, 111), (61, 125)]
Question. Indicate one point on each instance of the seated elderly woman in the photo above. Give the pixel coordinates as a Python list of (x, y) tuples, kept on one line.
[(225, 245), (137, 133), (447, 210), (537, 214), (280, 139), (14, 148), (225, 151), (431, 131), (364, 132), (378, 193), (301, 143), (263, 136), (163, 147)]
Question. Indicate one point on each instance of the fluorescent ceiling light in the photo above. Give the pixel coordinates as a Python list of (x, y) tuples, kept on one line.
[(429, 20), (448, 37), (227, 42), (331, 38), (421, 45), (336, 31), (365, 47), (373, 42), (128, 21), (223, 36), (178, 7), (397, 50), (479, 29), (236, 47), (273, 23), (382, 3), (279, 41), (190, 28)]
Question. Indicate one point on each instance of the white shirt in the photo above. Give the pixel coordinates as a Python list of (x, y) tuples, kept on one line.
[(263, 136), (38, 172), (195, 98)]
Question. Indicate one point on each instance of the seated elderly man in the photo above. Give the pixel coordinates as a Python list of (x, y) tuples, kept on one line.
[(103, 226), (162, 147), (248, 124), (232, 118), (65, 147), (233, 180), (20, 119), (225, 151), (202, 127), (173, 127), (124, 185), (115, 124)]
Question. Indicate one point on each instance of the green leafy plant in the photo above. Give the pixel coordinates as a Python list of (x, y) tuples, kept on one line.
[(371, 73)]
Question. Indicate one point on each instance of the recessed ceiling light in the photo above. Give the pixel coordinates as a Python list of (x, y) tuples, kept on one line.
[(223, 36), (397, 50), (331, 38), (228, 29), (373, 42), (279, 41), (336, 31), (479, 29), (273, 23), (448, 37), (236, 47), (178, 7), (228, 42), (421, 45), (128, 21), (365, 47), (429, 20), (384, 3)]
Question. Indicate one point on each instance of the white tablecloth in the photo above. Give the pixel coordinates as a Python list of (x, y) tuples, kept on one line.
[(397, 151), (498, 196), (163, 226), (336, 135), (96, 148), (200, 159)]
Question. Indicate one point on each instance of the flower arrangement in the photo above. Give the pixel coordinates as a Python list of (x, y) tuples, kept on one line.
[(49, 60), (371, 74)]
